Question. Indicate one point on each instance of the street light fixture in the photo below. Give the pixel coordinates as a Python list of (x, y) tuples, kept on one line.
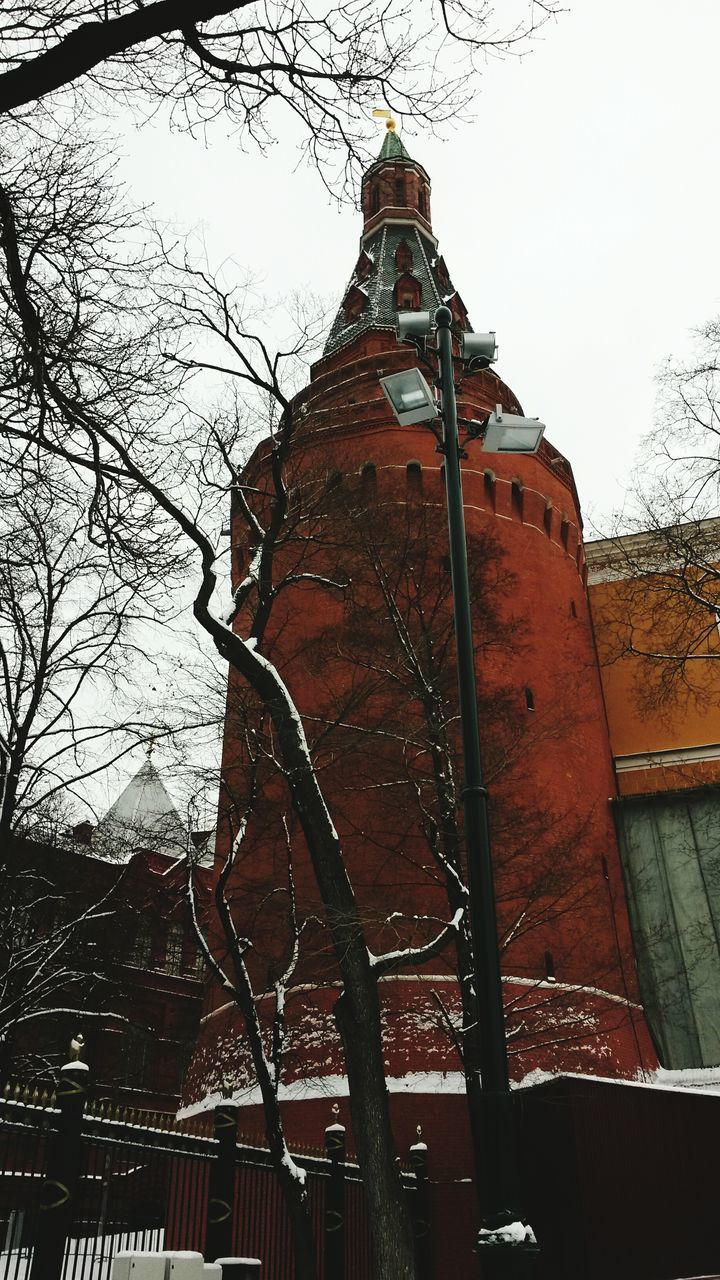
[(411, 399), (505, 1242), (509, 433)]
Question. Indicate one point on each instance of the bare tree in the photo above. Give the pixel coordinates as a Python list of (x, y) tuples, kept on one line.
[(327, 65), (122, 455), (663, 561), (267, 1050), (66, 650), (53, 964)]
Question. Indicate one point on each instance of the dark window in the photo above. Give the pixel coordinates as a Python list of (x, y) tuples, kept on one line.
[(517, 499), (414, 479), (141, 951), (368, 480), (549, 966), (374, 199), (174, 950), (408, 294), (489, 489), (403, 256), (530, 699), (547, 518), (355, 304), (363, 266), (565, 532), (334, 479), (400, 191), (573, 610)]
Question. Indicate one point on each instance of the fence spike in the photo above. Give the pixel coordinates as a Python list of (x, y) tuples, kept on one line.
[(16, 1091), (7, 1089)]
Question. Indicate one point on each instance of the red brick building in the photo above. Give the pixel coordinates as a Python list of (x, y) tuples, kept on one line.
[(369, 509), (102, 926)]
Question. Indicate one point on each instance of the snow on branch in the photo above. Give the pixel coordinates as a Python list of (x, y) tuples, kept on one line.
[(414, 956)]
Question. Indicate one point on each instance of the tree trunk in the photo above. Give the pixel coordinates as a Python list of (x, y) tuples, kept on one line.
[(359, 1025), (358, 1016)]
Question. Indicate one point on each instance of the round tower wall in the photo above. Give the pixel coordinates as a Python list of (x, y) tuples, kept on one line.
[(563, 926)]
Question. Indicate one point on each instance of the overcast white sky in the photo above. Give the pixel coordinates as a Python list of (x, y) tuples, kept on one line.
[(577, 214)]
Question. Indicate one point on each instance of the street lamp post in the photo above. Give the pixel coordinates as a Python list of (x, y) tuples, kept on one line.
[(505, 1242)]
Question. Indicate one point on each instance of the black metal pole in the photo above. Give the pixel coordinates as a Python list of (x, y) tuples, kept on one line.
[(421, 1205), (221, 1189), (503, 1239), (335, 1202), (59, 1188)]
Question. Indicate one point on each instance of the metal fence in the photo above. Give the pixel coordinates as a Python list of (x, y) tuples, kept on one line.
[(143, 1184)]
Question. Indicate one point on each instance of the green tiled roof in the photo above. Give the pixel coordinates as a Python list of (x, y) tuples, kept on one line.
[(377, 270), (378, 284), (392, 148)]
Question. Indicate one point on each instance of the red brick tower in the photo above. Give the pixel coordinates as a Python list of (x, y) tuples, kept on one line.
[(370, 515)]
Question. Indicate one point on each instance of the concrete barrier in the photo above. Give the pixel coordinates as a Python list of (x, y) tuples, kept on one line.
[(181, 1265), (240, 1268)]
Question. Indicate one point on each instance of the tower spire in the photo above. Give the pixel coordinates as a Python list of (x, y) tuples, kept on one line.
[(399, 267)]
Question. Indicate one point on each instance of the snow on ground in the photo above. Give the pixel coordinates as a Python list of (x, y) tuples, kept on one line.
[(89, 1258)]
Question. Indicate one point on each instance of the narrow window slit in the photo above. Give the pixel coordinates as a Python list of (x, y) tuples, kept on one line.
[(414, 479), (368, 480)]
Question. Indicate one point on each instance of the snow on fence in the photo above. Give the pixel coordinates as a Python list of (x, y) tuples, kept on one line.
[(143, 1185)]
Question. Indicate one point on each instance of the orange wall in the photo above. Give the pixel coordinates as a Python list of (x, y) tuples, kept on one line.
[(651, 712)]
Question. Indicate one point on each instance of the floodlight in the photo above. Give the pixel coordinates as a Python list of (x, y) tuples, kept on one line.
[(413, 324), (410, 397), (478, 348), (509, 433)]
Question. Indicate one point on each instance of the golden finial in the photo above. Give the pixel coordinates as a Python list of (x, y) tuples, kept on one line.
[(76, 1047), (381, 114)]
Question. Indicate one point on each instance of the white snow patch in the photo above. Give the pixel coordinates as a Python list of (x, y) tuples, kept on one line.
[(440, 1082), (699, 1079), (298, 1174), (451, 1082), (512, 1233)]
